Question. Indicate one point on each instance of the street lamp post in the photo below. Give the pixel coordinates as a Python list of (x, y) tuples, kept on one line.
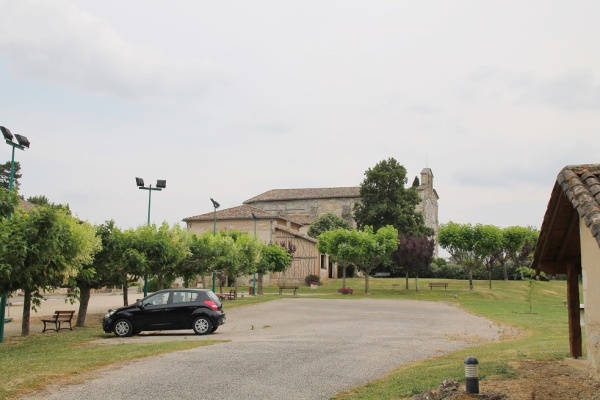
[(254, 217), (215, 205), (160, 185), (21, 145)]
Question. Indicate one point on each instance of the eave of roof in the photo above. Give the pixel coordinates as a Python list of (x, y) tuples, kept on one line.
[(306, 193), (576, 193), (295, 233), (240, 212)]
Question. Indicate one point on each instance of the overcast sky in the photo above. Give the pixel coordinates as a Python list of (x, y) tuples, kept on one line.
[(229, 99)]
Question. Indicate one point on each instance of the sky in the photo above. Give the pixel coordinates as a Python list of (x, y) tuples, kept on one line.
[(230, 99)]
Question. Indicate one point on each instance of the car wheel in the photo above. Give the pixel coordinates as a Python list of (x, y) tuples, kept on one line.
[(123, 328), (202, 326)]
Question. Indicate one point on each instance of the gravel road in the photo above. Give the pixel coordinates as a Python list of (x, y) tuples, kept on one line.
[(295, 348)]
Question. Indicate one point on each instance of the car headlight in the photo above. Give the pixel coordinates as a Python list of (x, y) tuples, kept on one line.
[(109, 313)]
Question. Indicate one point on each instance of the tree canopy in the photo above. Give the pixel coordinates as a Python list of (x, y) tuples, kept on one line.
[(386, 201), (5, 175), (327, 222), (470, 245)]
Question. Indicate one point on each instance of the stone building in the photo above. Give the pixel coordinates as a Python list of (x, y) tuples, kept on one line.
[(284, 215), (267, 227), (307, 205)]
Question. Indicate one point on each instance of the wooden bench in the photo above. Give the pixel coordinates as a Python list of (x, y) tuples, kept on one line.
[(283, 287), (438, 284), (58, 319), (232, 294)]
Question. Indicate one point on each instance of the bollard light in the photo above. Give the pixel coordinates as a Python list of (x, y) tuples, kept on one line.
[(471, 376)]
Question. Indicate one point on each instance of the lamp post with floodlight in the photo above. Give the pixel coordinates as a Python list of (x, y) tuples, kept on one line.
[(215, 205), (21, 144), (160, 185), (255, 218)]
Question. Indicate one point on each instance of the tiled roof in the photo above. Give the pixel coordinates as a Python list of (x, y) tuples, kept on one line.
[(239, 212), (576, 193), (581, 184), (308, 193), (295, 233), (27, 206)]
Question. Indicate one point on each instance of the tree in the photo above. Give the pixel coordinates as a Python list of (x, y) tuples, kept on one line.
[(335, 243), (8, 202), (514, 240), (470, 245), (5, 175), (327, 222), (414, 254), (101, 271), (273, 258), (42, 248), (386, 201), (367, 249)]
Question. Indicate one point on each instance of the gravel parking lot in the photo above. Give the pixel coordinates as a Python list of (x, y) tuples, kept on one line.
[(295, 348)]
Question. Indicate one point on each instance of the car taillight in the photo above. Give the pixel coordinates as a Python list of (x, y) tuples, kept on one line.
[(212, 304)]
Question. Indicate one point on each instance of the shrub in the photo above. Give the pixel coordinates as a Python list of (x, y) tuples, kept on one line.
[(312, 279)]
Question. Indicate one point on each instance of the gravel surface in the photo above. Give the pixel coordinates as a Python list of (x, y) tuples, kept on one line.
[(295, 348)]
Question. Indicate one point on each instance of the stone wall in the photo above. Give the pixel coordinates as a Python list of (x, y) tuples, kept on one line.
[(590, 262)]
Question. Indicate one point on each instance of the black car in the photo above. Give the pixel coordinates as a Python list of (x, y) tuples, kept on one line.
[(169, 309)]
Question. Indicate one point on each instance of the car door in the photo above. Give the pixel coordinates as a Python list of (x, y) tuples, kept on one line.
[(183, 305), (154, 313)]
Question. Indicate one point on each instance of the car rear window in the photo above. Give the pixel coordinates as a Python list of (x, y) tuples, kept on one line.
[(213, 296), (184, 297)]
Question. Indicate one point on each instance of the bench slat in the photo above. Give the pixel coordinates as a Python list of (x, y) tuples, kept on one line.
[(57, 319)]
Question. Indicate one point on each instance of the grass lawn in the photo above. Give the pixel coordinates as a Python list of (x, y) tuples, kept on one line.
[(36, 361)]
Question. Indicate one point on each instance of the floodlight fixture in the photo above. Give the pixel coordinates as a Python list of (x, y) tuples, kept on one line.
[(139, 182), (161, 183), (22, 140), (215, 204), (7, 134)]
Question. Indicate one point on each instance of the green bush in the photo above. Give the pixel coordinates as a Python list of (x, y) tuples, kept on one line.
[(312, 279)]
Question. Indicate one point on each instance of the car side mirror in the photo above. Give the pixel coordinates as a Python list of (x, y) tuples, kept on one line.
[(139, 304)]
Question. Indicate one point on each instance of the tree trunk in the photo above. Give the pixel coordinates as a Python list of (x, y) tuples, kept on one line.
[(470, 278), (505, 269), (366, 282), (416, 283), (26, 313), (125, 294), (259, 288), (407, 279), (160, 281), (490, 276), (84, 300), (344, 276)]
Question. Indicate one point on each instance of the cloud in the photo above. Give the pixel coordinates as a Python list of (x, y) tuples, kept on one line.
[(573, 90), (57, 42)]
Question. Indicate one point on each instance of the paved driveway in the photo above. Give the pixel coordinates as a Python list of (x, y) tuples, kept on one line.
[(296, 348)]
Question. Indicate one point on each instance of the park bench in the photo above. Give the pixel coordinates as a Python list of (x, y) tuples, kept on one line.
[(283, 287), (438, 284), (232, 294), (58, 319)]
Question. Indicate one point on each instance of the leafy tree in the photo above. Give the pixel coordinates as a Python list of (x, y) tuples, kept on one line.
[(335, 243), (514, 240), (5, 175), (367, 249), (470, 245), (327, 222), (386, 201), (43, 248), (8, 202), (101, 271), (245, 254), (273, 258), (414, 254)]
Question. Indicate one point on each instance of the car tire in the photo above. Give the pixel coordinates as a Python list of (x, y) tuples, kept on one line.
[(202, 326), (213, 329), (123, 328)]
